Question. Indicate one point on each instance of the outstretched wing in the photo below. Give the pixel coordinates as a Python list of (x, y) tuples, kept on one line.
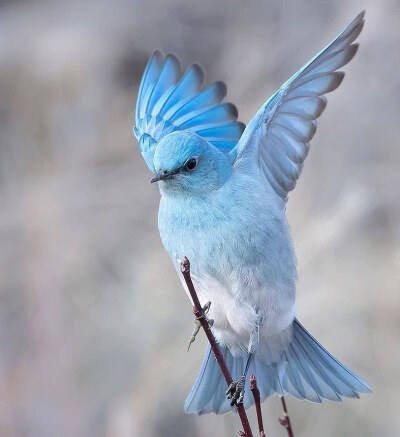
[(169, 101), (277, 138)]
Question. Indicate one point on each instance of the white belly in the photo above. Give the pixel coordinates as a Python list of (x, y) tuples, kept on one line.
[(236, 316)]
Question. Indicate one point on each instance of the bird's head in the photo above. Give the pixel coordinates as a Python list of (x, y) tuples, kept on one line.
[(186, 163)]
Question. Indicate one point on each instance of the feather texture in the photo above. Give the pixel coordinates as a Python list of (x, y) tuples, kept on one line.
[(306, 370), (277, 139), (169, 101)]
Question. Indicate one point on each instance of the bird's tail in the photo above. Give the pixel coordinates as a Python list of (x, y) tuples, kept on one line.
[(305, 370)]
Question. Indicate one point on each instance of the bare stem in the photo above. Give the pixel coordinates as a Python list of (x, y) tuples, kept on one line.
[(256, 394), (285, 421), (197, 310)]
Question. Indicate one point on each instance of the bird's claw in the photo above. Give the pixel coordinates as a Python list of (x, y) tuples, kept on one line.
[(197, 324), (206, 309), (235, 391), (196, 329)]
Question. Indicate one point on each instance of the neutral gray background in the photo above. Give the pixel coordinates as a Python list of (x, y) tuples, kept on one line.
[(93, 320)]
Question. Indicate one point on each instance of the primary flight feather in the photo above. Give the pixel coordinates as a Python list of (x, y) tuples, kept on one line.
[(223, 193)]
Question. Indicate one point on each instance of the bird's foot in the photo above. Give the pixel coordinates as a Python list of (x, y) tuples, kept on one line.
[(235, 391), (197, 324)]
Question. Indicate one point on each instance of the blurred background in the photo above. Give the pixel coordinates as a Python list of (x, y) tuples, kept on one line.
[(93, 320)]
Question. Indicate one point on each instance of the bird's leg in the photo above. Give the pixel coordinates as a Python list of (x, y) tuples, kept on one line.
[(235, 390), (197, 323)]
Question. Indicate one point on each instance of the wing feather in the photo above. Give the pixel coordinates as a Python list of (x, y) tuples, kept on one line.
[(277, 138), (169, 101)]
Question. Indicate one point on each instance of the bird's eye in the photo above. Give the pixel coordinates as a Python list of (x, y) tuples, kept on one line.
[(191, 164)]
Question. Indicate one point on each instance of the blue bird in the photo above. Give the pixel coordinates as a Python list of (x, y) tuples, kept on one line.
[(223, 190)]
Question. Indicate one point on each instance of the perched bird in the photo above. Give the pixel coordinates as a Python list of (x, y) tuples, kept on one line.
[(223, 190)]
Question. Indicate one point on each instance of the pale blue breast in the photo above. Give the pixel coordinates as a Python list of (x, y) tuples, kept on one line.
[(232, 234)]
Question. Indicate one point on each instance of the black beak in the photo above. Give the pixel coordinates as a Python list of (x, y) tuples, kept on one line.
[(161, 175)]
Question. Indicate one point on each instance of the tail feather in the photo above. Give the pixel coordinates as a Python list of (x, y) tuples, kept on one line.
[(315, 394), (306, 370), (311, 388), (288, 379), (205, 397), (343, 380)]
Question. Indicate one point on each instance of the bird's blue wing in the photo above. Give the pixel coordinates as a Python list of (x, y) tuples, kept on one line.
[(277, 138), (169, 101)]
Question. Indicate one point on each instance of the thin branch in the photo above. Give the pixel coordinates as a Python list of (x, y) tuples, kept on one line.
[(256, 394), (198, 312), (285, 421)]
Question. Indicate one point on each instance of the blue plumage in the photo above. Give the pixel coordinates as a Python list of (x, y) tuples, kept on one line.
[(223, 195), (305, 370), (169, 101)]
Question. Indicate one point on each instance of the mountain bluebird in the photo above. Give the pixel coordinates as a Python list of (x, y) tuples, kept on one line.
[(223, 190)]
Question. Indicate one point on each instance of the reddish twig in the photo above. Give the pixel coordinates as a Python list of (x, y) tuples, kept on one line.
[(198, 312), (285, 421), (256, 394)]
